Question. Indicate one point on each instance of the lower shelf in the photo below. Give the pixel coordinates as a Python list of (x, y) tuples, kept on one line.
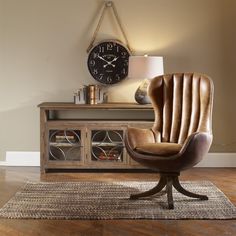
[(99, 170)]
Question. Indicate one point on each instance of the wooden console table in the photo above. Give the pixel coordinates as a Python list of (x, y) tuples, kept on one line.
[(86, 136)]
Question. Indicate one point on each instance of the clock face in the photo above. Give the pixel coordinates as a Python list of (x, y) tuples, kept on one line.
[(108, 62)]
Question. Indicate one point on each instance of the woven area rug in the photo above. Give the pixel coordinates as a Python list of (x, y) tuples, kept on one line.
[(98, 200)]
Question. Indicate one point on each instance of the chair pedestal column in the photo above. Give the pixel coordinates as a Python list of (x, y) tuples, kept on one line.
[(168, 180)]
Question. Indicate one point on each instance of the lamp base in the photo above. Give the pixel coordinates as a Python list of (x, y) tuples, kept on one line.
[(141, 95)]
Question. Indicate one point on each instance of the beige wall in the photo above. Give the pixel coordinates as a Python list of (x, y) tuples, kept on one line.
[(43, 56), (228, 80)]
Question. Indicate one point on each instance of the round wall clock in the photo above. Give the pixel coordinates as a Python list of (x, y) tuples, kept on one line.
[(108, 62)]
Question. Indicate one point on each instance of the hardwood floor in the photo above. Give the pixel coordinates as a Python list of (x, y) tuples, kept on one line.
[(12, 178)]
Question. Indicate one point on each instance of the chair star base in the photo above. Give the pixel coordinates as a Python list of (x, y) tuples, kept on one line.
[(168, 180)]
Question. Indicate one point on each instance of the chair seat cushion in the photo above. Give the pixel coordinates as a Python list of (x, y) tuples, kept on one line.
[(159, 149)]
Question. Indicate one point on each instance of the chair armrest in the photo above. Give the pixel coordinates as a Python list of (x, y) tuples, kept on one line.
[(195, 148), (136, 136)]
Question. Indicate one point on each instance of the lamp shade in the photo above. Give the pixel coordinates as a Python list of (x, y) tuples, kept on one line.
[(145, 67)]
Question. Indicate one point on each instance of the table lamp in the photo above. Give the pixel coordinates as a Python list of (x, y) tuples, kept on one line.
[(146, 68)]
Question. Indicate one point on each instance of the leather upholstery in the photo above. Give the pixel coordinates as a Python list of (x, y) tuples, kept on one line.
[(182, 104), (182, 131), (161, 149)]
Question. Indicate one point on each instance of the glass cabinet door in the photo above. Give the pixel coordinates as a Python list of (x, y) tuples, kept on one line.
[(65, 145), (107, 145)]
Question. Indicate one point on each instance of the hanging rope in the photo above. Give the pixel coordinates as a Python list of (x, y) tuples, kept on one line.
[(107, 5)]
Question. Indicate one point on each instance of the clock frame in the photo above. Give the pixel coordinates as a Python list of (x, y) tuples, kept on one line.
[(108, 62)]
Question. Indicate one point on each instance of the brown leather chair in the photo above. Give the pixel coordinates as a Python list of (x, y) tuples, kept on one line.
[(181, 134)]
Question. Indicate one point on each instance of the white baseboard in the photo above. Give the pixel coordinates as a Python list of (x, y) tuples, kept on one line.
[(218, 160), (21, 159), (33, 159)]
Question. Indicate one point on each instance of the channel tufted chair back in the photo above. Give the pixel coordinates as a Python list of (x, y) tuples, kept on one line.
[(182, 104), (181, 134)]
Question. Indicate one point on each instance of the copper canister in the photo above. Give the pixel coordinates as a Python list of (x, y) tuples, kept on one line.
[(92, 89)]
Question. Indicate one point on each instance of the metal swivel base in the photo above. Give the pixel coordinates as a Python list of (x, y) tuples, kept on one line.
[(168, 180)]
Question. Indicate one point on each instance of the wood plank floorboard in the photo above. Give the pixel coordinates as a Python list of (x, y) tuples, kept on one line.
[(12, 178)]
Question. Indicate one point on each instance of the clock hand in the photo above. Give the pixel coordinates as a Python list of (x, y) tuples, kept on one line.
[(113, 60), (103, 59), (110, 62)]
